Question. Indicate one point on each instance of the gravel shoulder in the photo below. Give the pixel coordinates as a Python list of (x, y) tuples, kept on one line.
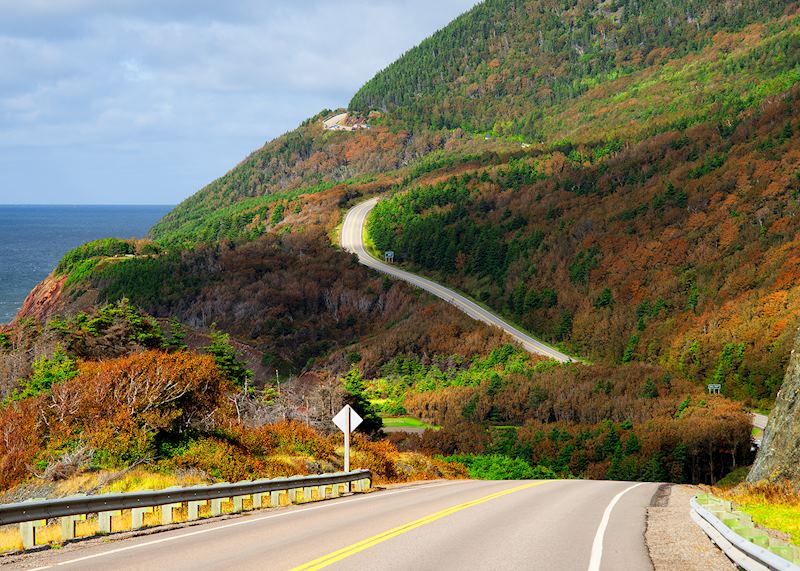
[(674, 540)]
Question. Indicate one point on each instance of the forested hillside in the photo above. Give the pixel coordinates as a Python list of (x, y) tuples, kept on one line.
[(621, 178), (510, 65), (680, 250)]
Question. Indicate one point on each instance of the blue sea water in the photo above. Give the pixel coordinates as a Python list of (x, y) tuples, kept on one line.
[(34, 238)]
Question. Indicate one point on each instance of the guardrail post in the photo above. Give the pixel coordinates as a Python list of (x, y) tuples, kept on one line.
[(194, 508), (292, 495), (216, 506), (307, 494), (104, 520), (28, 531), (321, 492), (238, 503), (137, 516), (274, 499), (258, 500), (68, 524), (168, 513)]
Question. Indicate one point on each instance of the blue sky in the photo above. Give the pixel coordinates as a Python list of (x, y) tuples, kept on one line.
[(146, 101)]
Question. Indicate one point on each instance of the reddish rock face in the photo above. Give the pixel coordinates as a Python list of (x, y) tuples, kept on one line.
[(43, 300)]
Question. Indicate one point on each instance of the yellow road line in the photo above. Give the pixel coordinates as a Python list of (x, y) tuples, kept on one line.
[(331, 558)]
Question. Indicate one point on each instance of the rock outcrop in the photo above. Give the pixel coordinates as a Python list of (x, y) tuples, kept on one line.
[(43, 300), (779, 456)]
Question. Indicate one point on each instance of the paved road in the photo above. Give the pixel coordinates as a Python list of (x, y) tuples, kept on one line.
[(352, 240), (458, 525), (760, 420)]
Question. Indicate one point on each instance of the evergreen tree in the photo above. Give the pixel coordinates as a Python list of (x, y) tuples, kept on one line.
[(356, 397), (227, 359)]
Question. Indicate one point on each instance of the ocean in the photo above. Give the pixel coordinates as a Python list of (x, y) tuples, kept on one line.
[(34, 238)]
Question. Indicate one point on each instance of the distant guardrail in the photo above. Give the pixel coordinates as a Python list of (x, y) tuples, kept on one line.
[(734, 532), (33, 514)]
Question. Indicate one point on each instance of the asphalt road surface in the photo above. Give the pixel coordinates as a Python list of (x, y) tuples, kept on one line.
[(458, 525), (352, 240)]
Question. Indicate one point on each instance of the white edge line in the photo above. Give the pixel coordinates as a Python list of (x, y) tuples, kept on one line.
[(597, 544), (244, 522)]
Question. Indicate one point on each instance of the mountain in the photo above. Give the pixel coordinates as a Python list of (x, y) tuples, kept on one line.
[(619, 177)]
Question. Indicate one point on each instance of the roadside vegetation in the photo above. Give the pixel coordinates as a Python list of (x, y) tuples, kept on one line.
[(774, 505)]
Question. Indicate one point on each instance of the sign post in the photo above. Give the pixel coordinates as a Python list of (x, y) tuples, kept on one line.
[(347, 420)]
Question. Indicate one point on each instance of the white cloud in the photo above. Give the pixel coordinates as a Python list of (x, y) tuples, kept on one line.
[(201, 81)]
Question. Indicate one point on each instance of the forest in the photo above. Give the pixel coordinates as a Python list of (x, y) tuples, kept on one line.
[(571, 250)]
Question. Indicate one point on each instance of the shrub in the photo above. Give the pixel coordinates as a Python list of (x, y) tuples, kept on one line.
[(498, 467)]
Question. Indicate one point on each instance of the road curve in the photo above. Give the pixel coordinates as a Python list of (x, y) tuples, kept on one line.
[(352, 240), (506, 525)]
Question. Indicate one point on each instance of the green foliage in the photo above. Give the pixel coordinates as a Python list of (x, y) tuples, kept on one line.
[(507, 83), (355, 388), (649, 390), (605, 299), (46, 373), (177, 336), (498, 467), (630, 349), (149, 282), (730, 360), (277, 213), (683, 407), (5, 342), (227, 359), (585, 261), (107, 247), (120, 320), (711, 163), (245, 219)]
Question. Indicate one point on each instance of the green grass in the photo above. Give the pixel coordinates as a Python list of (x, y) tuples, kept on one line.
[(734, 477), (406, 422), (775, 516)]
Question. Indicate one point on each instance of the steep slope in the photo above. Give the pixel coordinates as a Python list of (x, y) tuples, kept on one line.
[(779, 455)]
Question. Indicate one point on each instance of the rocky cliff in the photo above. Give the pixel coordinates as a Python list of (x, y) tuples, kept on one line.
[(779, 456)]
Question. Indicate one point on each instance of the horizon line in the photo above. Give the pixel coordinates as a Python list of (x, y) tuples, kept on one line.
[(83, 204)]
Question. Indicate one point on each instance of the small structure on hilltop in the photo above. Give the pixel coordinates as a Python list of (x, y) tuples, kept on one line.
[(344, 122)]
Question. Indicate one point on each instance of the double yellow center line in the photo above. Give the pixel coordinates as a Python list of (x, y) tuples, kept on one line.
[(331, 558)]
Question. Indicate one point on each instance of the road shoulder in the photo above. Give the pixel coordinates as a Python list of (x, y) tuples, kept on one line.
[(674, 540)]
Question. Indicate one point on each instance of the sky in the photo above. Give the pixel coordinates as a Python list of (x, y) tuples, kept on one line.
[(146, 101)]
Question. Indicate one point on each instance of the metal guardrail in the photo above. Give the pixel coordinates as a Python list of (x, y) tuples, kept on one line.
[(740, 550), (32, 513)]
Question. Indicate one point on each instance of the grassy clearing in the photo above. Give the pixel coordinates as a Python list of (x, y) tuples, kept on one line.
[(406, 422)]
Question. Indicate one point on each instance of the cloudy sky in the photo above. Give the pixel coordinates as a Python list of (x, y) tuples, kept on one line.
[(145, 101)]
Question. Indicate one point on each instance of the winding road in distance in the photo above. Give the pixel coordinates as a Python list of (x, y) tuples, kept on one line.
[(352, 240)]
